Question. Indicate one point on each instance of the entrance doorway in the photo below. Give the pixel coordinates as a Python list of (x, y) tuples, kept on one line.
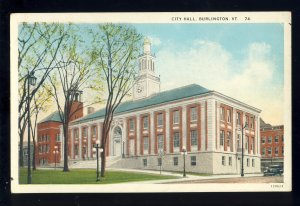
[(117, 151)]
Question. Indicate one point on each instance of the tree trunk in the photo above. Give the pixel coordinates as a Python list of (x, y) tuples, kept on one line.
[(103, 160), (21, 160), (33, 155), (66, 133)]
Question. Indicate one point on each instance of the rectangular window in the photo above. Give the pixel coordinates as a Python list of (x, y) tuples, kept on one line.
[(175, 161), (247, 122), (159, 161), (269, 150), (263, 151), (193, 161), (160, 119), (176, 139), (253, 162), (247, 142), (276, 139), (131, 125), (222, 135), (230, 161), (94, 131), (228, 139), (176, 117), (76, 149), (263, 140), (252, 123), (160, 138), (276, 150), (194, 138), (282, 138), (146, 143), (145, 122), (84, 132), (223, 160), (282, 150), (248, 162), (222, 113), (145, 162), (228, 115), (270, 139), (238, 118), (238, 145), (76, 134), (58, 137), (194, 114)]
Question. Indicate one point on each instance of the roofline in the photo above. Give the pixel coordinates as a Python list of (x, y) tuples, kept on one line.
[(236, 101), (49, 121), (147, 107), (212, 92)]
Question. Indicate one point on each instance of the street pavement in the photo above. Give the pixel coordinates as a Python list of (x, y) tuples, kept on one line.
[(179, 176)]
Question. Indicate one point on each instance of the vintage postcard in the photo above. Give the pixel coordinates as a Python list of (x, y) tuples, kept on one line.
[(151, 102)]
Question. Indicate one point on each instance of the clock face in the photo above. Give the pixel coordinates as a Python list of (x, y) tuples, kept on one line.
[(139, 88)]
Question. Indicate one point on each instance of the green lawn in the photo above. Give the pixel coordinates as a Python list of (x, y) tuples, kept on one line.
[(85, 176)]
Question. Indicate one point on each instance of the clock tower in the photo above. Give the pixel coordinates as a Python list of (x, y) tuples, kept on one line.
[(148, 82)]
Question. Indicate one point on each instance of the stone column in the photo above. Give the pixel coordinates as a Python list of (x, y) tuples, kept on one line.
[(89, 138), (234, 130), (184, 135), (80, 142), (203, 125), (72, 143), (218, 126), (62, 140), (138, 136), (257, 136), (124, 136), (167, 131), (212, 125), (99, 132), (152, 132)]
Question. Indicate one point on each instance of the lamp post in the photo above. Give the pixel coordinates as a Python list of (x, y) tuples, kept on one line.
[(31, 80), (55, 152), (97, 148), (123, 150), (184, 154), (242, 170)]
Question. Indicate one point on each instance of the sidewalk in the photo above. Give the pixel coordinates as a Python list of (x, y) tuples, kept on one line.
[(178, 176)]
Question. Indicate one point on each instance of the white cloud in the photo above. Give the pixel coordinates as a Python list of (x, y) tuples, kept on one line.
[(210, 65), (155, 41)]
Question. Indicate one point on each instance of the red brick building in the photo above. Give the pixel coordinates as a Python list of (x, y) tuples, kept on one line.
[(49, 137), (272, 145)]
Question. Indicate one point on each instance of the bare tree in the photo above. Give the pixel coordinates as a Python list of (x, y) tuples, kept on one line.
[(41, 103), (38, 45), (117, 48), (71, 76)]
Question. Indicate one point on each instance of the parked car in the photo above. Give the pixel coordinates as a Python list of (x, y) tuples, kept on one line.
[(273, 170)]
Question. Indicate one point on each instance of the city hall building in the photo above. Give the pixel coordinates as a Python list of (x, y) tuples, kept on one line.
[(151, 131)]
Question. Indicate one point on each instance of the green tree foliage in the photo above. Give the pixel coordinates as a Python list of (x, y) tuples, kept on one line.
[(38, 46), (116, 49)]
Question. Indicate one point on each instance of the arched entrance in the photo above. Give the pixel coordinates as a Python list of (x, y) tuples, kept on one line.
[(117, 144)]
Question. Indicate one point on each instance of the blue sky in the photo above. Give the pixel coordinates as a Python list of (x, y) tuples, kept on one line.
[(244, 61)]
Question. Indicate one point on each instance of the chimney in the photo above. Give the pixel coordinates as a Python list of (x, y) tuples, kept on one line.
[(90, 110)]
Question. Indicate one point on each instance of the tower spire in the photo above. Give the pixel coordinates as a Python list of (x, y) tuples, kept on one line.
[(147, 46)]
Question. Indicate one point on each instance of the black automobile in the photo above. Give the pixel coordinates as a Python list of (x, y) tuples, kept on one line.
[(273, 170)]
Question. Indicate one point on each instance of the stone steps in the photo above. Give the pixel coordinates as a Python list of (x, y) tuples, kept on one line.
[(92, 164)]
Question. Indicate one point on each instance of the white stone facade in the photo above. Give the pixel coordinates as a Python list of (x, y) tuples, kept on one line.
[(208, 157)]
